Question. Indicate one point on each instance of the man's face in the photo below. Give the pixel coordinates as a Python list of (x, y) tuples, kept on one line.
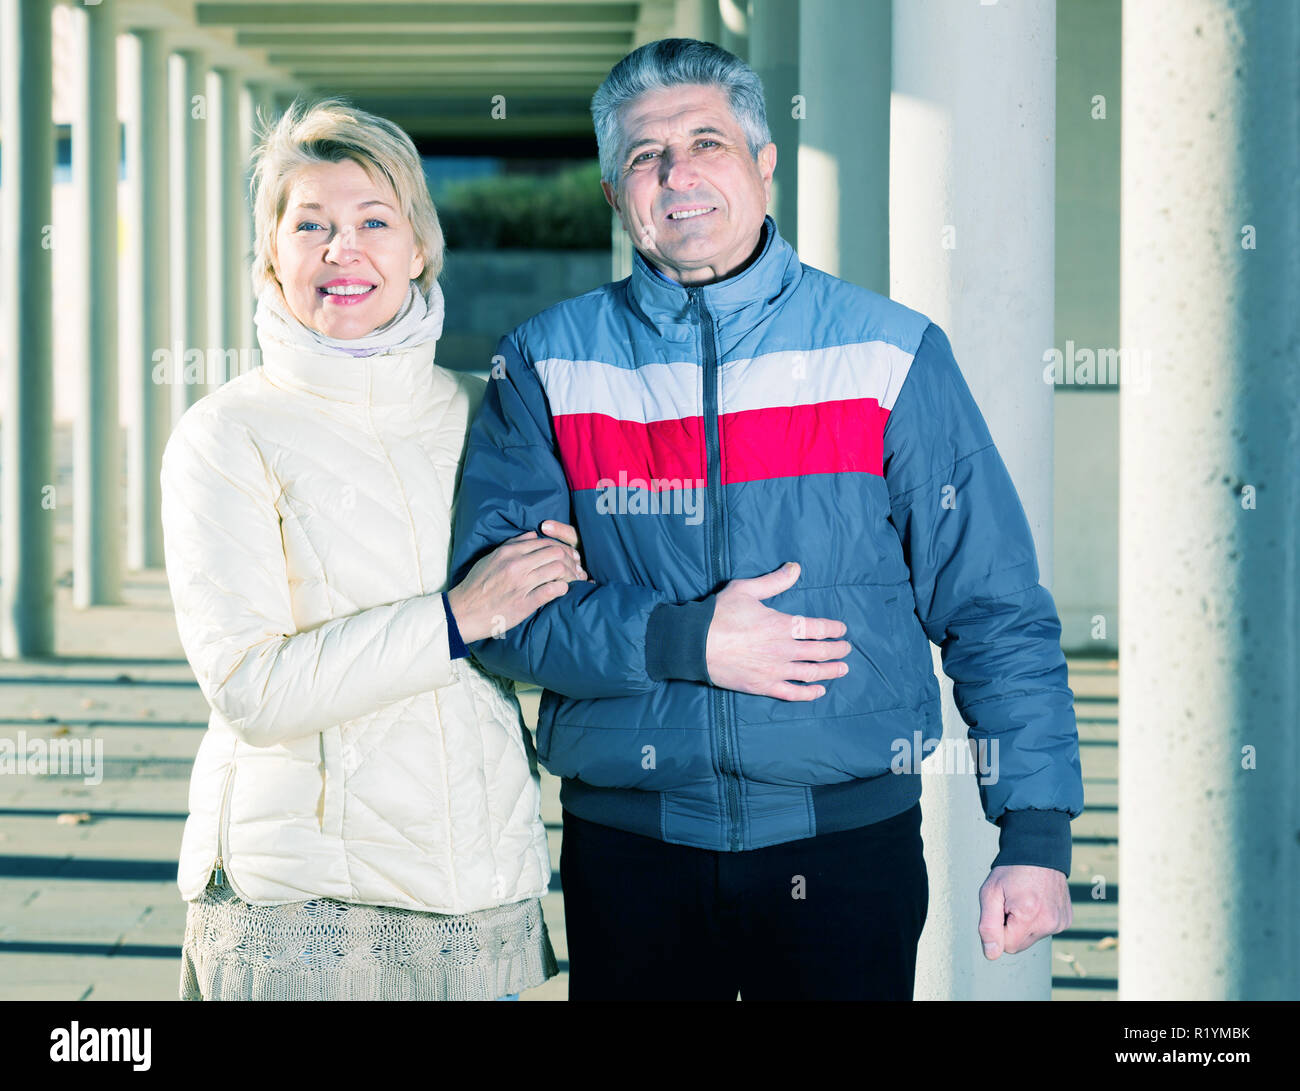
[(690, 196)]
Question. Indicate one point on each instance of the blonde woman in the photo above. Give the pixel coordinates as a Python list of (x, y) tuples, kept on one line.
[(364, 808)]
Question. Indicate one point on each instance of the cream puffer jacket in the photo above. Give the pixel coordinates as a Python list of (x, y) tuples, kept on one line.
[(306, 509)]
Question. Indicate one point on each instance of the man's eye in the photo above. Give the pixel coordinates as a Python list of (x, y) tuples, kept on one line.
[(643, 157), (710, 143)]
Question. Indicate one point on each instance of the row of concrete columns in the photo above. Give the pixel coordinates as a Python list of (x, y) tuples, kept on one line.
[(188, 139), (916, 157), (924, 166)]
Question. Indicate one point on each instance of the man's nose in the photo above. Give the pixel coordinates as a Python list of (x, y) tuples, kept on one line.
[(342, 245), (678, 170)]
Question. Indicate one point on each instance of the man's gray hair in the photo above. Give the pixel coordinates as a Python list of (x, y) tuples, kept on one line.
[(671, 62)]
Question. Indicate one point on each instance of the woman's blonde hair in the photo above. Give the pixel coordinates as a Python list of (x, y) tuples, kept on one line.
[(330, 131)]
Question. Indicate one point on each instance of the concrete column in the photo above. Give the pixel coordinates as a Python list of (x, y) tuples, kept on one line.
[(774, 55), (226, 279), (971, 217), (1209, 495), (146, 152), (734, 36), (28, 500), (97, 450), (189, 109), (264, 110), (249, 99), (1086, 530), (844, 59), (698, 19)]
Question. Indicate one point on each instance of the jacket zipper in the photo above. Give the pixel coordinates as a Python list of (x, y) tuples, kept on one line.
[(320, 805), (718, 697), (218, 870)]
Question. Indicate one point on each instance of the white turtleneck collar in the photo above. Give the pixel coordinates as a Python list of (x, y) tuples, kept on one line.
[(393, 365), (390, 378)]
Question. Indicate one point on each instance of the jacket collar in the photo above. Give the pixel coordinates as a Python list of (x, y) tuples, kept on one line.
[(737, 304), (408, 376)]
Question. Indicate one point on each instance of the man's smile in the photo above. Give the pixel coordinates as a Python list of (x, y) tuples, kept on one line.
[(690, 212)]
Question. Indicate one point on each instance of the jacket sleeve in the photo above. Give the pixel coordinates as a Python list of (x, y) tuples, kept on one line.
[(592, 640), (230, 587), (974, 573)]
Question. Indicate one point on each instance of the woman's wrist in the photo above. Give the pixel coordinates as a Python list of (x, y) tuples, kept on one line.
[(455, 644), (459, 616)]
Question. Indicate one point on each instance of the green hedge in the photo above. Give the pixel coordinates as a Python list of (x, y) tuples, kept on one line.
[(565, 211)]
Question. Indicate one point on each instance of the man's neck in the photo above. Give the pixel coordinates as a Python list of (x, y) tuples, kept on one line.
[(681, 276)]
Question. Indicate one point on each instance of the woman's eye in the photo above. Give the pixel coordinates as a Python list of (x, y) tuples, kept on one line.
[(377, 223), (305, 225)]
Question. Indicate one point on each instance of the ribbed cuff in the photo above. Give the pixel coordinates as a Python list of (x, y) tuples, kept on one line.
[(676, 639), (1040, 838), (454, 642)]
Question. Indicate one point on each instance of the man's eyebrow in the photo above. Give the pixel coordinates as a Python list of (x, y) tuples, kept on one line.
[(694, 132)]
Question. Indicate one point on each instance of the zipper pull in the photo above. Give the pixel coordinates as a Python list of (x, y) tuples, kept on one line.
[(218, 875)]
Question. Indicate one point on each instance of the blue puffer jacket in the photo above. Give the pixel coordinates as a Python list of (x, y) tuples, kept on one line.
[(698, 434)]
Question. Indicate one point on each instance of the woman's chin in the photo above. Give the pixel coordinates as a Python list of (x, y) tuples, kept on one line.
[(345, 327), (350, 323)]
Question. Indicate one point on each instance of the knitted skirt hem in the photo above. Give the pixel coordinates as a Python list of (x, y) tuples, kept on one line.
[(511, 952)]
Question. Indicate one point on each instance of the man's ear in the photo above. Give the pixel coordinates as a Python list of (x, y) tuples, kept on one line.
[(767, 165), (611, 196)]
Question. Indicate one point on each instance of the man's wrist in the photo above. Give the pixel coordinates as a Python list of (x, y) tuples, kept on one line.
[(1034, 837), (676, 639)]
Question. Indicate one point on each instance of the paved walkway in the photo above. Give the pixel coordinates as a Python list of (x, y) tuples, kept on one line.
[(88, 902)]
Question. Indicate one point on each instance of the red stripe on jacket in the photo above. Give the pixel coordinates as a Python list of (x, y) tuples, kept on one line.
[(757, 444)]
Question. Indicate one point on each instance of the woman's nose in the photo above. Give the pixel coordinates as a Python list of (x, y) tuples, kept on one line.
[(343, 244)]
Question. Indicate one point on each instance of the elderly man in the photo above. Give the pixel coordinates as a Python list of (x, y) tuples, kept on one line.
[(784, 493)]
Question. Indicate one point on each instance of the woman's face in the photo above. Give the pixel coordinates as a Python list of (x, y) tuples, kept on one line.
[(344, 253)]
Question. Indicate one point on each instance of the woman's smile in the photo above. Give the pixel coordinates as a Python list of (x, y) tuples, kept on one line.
[(346, 291)]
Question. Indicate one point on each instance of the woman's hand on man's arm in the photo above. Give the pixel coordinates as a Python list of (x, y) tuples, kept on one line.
[(516, 579)]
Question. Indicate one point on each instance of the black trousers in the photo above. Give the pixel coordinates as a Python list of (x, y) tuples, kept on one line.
[(832, 917)]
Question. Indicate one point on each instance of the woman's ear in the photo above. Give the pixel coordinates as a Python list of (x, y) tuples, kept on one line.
[(417, 264)]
